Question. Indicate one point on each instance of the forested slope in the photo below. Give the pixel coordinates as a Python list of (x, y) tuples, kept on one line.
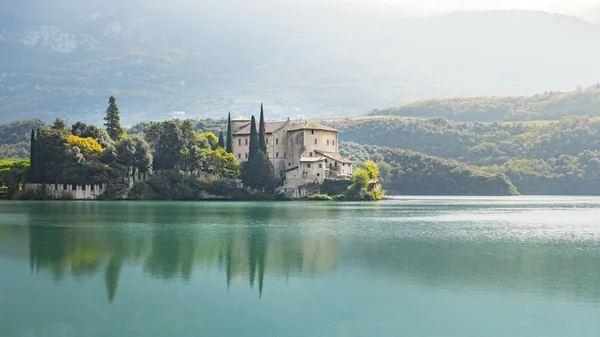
[(545, 106)]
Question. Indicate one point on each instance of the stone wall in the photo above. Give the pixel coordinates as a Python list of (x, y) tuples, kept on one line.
[(70, 191)]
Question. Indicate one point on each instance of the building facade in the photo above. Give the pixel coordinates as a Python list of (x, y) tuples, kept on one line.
[(302, 153)]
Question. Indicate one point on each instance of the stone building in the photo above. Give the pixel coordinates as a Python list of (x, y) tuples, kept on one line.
[(303, 153)]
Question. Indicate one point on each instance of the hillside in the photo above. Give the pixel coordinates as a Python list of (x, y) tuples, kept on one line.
[(302, 58), (546, 106), (15, 138), (413, 173)]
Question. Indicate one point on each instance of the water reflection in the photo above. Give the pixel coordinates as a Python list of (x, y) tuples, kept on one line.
[(251, 243), (247, 244)]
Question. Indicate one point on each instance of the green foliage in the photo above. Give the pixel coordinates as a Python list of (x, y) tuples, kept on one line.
[(253, 147), (170, 142), (113, 120), (229, 146), (175, 185), (320, 197), (59, 125), (221, 140), (222, 163), (549, 105), (335, 186), (262, 142), (13, 174), (15, 138), (134, 153), (372, 169), (212, 140), (414, 173), (258, 172)]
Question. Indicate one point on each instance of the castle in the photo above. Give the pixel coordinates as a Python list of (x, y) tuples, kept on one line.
[(302, 153)]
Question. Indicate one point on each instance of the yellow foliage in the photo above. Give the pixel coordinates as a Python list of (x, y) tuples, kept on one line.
[(85, 145)]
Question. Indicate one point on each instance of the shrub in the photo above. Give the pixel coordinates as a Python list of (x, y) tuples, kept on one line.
[(320, 197)]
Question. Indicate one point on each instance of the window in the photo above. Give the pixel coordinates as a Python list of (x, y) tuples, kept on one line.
[(239, 142), (246, 141), (246, 156), (320, 165), (335, 164), (308, 165), (333, 143), (318, 174), (315, 142), (310, 154), (239, 156), (285, 155), (267, 141), (289, 164), (276, 154), (327, 141), (312, 132), (276, 141)]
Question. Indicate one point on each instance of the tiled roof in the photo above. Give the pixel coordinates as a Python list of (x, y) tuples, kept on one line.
[(311, 159), (310, 126), (335, 156), (270, 127)]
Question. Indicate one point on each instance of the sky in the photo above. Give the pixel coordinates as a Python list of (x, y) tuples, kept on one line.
[(572, 7)]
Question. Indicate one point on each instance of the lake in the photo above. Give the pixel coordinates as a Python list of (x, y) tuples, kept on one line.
[(513, 266)]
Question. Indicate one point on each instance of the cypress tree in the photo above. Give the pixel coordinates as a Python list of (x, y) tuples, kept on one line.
[(221, 140), (113, 120), (262, 132), (32, 171), (254, 146), (39, 160), (229, 146)]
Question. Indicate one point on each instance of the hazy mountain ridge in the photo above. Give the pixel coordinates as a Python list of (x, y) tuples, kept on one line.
[(303, 59)]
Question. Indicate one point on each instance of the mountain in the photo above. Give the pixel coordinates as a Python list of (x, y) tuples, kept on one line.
[(544, 106), (302, 58)]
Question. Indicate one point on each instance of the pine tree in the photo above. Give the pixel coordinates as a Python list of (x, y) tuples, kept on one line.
[(32, 171), (254, 146), (221, 140), (262, 132), (113, 120), (229, 146)]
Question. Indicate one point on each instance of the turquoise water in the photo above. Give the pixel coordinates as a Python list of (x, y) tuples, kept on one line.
[(408, 267)]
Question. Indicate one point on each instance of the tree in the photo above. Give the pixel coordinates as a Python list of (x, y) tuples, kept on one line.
[(372, 169), (87, 146), (254, 146), (134, 153), (258, 172), (229, 147), (78, 129), (221, 140), (113, 120), (59, 125), (262, 144), (213, 141), (13, 174), (32, 158)]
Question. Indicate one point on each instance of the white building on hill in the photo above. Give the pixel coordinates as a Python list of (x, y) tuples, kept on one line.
[(303, 153)]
